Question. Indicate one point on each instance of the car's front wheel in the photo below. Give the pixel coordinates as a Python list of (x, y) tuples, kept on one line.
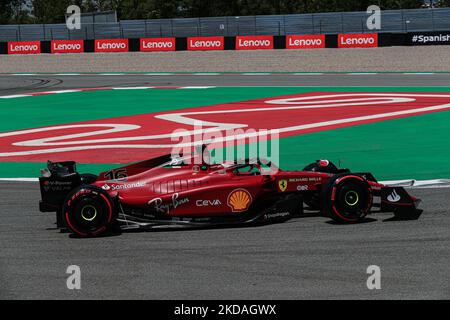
[(347, 198), (88, 211)]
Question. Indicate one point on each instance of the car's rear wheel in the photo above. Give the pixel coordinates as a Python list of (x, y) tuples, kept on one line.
[(347, 198), (313, 200), (88, 211)]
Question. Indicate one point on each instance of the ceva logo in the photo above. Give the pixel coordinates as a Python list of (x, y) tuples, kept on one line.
[(206, 43), (111, 45), (358, 40), (157, 44), (305, 42), (254, 42), (24, 47), (67, 46)]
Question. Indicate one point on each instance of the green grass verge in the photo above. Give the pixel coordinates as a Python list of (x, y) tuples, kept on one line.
[(414, 147)]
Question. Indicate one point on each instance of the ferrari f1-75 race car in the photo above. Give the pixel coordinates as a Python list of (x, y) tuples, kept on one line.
[(167, 192)]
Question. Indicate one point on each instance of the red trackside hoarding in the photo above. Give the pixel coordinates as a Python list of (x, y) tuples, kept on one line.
[(111, 45), (254, 42), (67, 46), (358, 40), (205, 43), (157, 44), (305, 41), (24, 47)]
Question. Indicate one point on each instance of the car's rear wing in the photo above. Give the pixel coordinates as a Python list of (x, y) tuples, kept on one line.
[(56, 181)]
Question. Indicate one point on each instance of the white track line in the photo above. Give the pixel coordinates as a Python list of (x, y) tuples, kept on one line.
[(32, 94), (197, 87), (159, 74), (255, 74), (419, 183), (418, 73), (132, 88), (362, 73), (20, 179), (308, 73), (15, 96), (206, 74), (58, 91)]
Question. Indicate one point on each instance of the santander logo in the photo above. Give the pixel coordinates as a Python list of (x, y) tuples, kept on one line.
[(206, 43), (29, 47)]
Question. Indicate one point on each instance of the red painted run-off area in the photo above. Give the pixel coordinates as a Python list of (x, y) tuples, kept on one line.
[(145, 136)]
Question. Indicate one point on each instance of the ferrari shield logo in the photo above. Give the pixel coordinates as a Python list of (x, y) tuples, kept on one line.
[(282, 184)]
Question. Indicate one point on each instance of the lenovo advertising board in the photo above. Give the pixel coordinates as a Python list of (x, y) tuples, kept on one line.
[(358, 40), (157, 44), (205, 43), (67, 46), (111, 45), (305, 41), (24, 47), (254, 42)]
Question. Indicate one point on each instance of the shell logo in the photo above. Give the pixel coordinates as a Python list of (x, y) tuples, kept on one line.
[(239, 200)]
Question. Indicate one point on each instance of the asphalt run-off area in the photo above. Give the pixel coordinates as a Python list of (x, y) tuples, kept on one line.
[(394, 125)]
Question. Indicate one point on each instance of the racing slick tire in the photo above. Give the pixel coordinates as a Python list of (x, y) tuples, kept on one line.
[(313, 200), (347, 198), (88, 211)]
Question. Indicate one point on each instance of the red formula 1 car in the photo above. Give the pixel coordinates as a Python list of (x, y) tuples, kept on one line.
[(168, 192)]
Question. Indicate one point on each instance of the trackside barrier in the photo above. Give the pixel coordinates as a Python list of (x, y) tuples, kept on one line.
[(428, 38), (111, 45), (364, 40), (156, 44), (24, 47), (67, 46), (205, 43), (305, 42), (260, 42), (254, 42)]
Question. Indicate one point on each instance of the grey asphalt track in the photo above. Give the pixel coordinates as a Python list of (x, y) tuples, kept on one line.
[(305, 258), (18, 84)]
